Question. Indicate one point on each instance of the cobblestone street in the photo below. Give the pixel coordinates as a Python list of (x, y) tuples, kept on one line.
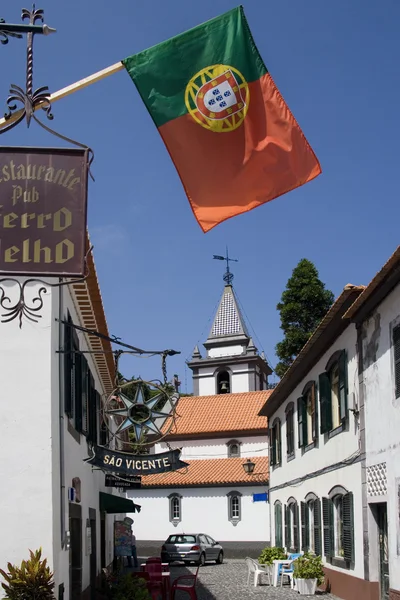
[(228, 582)]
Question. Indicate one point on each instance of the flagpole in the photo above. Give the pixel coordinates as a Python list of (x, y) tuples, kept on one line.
[(71, 89)]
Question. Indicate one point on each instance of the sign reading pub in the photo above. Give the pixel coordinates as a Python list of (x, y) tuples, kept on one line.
[(43, 198)]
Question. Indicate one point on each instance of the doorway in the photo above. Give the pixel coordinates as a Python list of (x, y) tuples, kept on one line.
[(383, 550), (75, 552)]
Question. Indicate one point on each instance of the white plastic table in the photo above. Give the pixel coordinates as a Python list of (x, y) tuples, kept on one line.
[(285, 562)]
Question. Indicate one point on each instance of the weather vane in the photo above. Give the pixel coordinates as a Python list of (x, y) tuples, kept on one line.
[(228, 276)]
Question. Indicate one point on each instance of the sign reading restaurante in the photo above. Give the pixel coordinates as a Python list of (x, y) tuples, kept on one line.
[(43, 197), (135, 464)]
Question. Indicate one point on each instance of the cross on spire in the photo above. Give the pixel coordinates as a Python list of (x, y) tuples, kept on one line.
[(228, 276)]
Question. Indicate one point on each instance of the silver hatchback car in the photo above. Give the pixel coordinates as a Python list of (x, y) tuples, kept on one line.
[(193, 547)]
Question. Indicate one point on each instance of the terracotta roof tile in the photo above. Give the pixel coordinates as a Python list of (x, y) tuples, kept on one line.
[(213, 471), (220, 413)]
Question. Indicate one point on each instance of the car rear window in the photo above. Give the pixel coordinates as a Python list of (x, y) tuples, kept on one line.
[(181, 539)]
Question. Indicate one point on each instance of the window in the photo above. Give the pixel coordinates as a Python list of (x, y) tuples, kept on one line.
[(333, 392), (234, 507), (396, 352), (339, 526), (223, 383), (278, 524), (290, 429), (307, 417), (233, 449), (292, 526), (275, 443), (311, 524), (175, 508)]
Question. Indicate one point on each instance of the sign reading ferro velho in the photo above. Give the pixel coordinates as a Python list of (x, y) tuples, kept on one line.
[(43, 199), (130, 482), (135, 464)]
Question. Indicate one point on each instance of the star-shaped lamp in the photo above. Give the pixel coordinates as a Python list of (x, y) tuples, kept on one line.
[(139, 414)]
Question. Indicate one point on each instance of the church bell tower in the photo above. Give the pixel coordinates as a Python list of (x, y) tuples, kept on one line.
[(232, 363)]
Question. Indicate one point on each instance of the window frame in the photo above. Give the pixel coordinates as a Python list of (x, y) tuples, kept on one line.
[(278, 521), (229, 448), (172, 500), (290, 441), (343, 555), (292, 538), (275, 448), (396, 359), (231, 497), (338, 360)]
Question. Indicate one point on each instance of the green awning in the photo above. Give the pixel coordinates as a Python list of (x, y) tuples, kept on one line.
[(116, 504)]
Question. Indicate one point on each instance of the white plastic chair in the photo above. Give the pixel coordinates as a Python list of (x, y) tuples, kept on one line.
[(257, 570), (288, 569)]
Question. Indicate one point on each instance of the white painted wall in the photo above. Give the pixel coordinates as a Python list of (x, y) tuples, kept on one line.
[(217, 448), (382, 419), (207, 386), (226, 351), (30, 510), (328, 452), (203, 510), (26, 436), (239, 382)]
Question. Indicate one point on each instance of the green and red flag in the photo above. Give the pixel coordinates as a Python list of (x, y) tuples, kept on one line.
[(230, 134)]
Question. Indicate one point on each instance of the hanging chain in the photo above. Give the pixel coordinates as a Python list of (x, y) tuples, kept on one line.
[(164, 366)]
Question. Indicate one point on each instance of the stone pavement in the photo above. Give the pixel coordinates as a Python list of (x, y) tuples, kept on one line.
[(228, 582)]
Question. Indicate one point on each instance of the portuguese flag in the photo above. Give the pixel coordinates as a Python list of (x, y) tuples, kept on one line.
[(230, 134)]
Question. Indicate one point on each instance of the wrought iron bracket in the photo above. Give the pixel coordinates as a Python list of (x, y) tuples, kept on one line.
[(22, 308)]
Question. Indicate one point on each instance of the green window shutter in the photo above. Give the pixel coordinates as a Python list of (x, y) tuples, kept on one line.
[(296, 541), (343, 385), (348, 527), (287, 528), (93, 410), (68, 366), (278, 525), (317, 528), (272, 447), (302, 421), (85, 395), (325, 402), (396, 353), (278, 444), (327, 516), (304, 526), (289, 429), (78, 390)]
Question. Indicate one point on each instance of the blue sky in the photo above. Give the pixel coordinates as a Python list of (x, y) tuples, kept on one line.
[(335, 64)]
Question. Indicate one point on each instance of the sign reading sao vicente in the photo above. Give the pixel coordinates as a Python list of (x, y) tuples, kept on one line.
[(43, 197)]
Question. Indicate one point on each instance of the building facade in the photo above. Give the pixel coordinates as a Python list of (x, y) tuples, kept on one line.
[(317, 453), (52, 390), (218, 430), (376, 315)]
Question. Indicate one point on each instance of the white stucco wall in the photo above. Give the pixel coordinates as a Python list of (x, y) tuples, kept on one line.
[(329, 450), (217, 447), (382, 420), (239, 380), (203, 510), (30, 509), (26, 436), (226, 351)]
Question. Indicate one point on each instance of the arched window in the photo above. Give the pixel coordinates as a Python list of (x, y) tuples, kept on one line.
[(289, 430), (278, 524), (275, 453), (175, 508), (223, 382), (292, 526), (338, 519), (234, 507), (333, 392), (310, 509), (233, 449)]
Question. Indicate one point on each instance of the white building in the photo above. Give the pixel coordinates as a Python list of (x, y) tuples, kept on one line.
[(218, 429), (51, 411), (376, 314), (317, 454)]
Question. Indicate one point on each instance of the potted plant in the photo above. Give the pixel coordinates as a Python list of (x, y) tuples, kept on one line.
[(308, 573), (269, 554), (33, 580)]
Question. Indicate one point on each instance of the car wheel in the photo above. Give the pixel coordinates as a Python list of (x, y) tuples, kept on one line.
[(202, 560), (220, 558)]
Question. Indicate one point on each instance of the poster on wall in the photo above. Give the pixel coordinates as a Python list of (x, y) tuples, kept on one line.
[(43, 198), (122, 539)]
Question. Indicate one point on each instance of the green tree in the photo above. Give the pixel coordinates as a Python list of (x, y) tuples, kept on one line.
[(304, 303)]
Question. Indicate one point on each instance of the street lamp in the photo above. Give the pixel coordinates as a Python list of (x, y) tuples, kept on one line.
[(248, 467)]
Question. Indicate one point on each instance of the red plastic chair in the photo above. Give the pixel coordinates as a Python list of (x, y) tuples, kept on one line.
[(190, 588)]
